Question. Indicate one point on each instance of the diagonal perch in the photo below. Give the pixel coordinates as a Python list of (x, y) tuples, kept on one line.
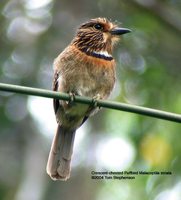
[(86, 100)]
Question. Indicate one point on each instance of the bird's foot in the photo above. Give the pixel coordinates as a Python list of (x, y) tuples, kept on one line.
[(72, 98), (95, 99)]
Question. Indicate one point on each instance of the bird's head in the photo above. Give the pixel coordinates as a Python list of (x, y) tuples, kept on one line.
[(98, 36)]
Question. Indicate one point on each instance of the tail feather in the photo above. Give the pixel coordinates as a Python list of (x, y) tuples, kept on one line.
[(58, 166), (68, 145)]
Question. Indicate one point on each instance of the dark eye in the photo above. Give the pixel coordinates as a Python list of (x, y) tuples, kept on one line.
[(98, 26)]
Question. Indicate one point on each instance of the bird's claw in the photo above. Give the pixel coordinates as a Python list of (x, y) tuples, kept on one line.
[(95, 99), (72, 97)]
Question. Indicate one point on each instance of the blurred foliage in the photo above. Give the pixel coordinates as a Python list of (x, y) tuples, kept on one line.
[(32, 34)]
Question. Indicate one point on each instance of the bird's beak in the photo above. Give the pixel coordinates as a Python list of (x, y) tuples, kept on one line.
[(120, 31)]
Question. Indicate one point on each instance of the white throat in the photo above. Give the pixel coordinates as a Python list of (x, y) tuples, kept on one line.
[(103, 54)]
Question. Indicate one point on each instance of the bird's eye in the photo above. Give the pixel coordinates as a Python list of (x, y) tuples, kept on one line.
[(98, 27)]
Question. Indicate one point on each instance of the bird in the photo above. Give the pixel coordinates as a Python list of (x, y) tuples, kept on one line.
[(85, 67)]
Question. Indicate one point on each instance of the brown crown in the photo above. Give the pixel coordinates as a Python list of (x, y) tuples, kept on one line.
[(94, 36)]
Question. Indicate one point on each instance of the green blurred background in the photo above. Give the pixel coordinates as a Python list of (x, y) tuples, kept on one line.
[(32, 34)]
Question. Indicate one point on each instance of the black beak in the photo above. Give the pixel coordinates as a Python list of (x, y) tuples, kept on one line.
[(120, 31)]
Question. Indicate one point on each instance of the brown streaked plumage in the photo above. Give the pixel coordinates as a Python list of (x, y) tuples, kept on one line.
[(86, 68)]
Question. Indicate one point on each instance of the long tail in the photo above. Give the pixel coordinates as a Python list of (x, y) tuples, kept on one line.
[(58, 166)]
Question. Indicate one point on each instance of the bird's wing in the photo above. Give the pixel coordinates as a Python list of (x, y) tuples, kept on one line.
[(56, 103)]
